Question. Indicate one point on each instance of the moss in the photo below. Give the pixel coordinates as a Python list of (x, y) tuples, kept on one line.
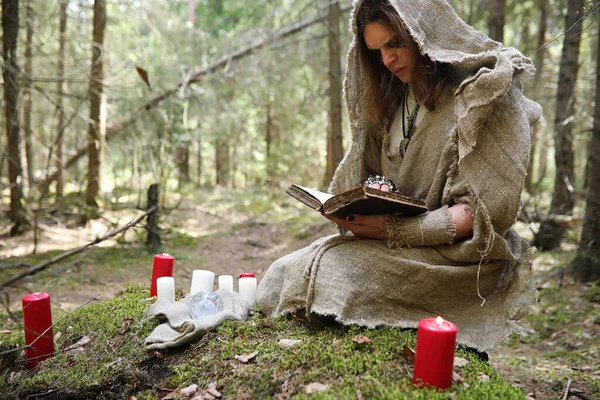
[(115, 363), (115, 350), (326, 355)]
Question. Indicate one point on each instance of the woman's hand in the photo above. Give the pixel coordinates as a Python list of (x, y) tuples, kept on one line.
[(364, 226)]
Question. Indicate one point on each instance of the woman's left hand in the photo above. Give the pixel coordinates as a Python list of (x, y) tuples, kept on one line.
[(364, 226)]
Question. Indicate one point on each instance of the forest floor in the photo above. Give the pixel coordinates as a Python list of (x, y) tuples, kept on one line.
[(229, 232)]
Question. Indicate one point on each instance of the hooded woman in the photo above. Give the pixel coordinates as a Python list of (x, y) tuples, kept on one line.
[(436, 107)]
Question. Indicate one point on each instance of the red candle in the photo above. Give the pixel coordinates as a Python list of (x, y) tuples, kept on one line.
[(163, 266), (37, 320), (434, 356)]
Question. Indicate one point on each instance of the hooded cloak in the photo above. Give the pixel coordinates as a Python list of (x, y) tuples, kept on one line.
[(472, 148)]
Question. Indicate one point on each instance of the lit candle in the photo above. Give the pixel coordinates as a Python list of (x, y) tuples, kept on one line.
[(165, 287), (202, 281), (37, 318), (247, 286), (434, 356), (163, 266), (226, 283)]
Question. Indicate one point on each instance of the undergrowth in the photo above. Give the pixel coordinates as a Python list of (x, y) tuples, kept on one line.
[(115, 364)]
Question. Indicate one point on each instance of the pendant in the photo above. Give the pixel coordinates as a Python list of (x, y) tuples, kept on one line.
[(404, 146)]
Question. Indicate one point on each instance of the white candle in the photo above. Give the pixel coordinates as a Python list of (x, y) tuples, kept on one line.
[(202, 281), (226, 283), (165, 288), (247, 286)]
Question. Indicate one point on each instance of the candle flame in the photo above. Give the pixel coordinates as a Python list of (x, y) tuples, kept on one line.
[(439, 320)]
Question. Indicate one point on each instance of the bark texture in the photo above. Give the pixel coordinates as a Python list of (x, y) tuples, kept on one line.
[(28, 69), (551, 233), (496, 19), (335, 150), (587, 263), (10, 70), (60, 91), (96, 89)]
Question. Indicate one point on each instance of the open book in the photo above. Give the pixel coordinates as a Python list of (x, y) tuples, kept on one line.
[(360, 200)]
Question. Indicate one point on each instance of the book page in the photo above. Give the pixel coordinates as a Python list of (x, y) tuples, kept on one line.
[(321, 196)]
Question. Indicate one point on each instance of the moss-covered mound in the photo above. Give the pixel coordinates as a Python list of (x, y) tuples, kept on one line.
[(101, 355)]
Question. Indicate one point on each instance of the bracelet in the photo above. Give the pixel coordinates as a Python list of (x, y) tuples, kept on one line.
[(380, 180)]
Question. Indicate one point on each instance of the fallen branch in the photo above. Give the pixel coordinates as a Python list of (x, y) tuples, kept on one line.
[(567, 389), (117, 127), (40, 267)]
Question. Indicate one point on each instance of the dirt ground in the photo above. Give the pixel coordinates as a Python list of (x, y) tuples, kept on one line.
[(230, 242)]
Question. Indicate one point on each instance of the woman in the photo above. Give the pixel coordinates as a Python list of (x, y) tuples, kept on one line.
[(436, 107)]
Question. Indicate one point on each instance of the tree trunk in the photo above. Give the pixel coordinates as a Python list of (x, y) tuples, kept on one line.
[(183, 163), (270, 162), (587, 263), (496, 19), (334, 140), (27, 91), (153, 238), (60, 89), (222, 160), (10, 70), (182, 153), (550, 234), (96, 89), (537, 87), (199, 169)]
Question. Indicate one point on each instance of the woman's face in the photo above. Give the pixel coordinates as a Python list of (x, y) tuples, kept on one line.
[(394, 54)]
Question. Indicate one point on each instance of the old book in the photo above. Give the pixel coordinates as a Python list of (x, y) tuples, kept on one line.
[(360, 200)]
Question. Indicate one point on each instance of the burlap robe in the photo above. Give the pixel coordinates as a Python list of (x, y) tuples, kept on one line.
[(473, 148)]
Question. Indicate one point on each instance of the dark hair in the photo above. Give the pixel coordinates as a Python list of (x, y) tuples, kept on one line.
[(383, 89)]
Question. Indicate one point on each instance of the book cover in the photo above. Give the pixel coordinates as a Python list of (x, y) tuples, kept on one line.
[(360, 200)]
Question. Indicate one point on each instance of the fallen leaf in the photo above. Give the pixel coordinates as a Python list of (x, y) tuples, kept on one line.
[(188, 391), (125, 325), (459, 380), (6, 331), (315, 387), (173, 395), (14, 377), (245, 358), (361, 339), (460, 362), (158, 354), (408, 353), (118, 361), (79, 344), (288, 343), (484, 378)]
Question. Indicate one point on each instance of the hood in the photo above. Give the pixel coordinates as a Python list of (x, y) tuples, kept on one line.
[(440, 33)]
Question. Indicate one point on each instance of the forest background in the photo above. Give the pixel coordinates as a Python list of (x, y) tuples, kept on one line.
[(227, 103)]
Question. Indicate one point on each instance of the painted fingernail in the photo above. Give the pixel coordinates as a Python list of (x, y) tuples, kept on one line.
[(350, 218)]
